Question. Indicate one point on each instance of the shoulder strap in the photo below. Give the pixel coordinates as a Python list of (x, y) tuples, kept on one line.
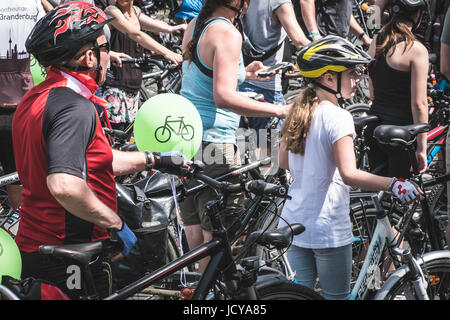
[(196, 59)]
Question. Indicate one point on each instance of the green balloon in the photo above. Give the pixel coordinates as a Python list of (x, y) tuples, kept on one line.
[(168, 122), (10, 260), (37, 71)]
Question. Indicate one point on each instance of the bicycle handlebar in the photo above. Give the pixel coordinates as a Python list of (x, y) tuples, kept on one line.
[(118, 134), (257, 187), (145, 61)]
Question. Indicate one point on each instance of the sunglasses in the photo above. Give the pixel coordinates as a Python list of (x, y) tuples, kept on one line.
[(105, 45), (96, 47)]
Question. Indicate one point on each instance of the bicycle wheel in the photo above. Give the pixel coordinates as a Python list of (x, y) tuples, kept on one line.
[(363, 227), (149, 88), (358, 109), (268, 220), (439, 216), (437, 274), (287, 291)]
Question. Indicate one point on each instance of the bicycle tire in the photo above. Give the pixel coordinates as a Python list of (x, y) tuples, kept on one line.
[(437, 273), (358, 109), (438, 209), (269, 218), (363, 227), (287, 291)]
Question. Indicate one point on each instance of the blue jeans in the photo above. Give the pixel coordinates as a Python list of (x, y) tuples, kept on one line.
[(333, 267)]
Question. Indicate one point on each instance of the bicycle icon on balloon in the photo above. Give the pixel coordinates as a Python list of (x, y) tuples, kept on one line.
[(177, 127)]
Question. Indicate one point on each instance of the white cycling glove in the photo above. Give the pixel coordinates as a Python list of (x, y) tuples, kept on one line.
[(405, 190)]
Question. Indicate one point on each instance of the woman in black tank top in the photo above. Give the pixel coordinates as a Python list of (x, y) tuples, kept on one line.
[(398, 88)]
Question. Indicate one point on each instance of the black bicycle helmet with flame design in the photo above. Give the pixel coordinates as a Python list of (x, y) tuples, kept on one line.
[(61, 33)]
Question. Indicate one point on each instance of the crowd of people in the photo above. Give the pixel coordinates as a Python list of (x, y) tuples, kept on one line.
[(51, 134)]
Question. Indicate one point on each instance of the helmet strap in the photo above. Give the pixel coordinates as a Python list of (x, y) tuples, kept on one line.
[(237, 18), (337, 92), (98, 67)]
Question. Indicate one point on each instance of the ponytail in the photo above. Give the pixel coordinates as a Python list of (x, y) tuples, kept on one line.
[(297, 124)]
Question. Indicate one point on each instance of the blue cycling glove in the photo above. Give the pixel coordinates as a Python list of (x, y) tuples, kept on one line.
[(128, 238)]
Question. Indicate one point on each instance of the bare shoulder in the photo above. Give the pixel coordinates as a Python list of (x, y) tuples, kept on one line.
[(222, 32), (113, 11), (419, 48), (418, 52)]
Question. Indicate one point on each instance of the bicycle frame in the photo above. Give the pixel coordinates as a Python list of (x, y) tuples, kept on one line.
[(382, 236), (437, 137), (214, 248)]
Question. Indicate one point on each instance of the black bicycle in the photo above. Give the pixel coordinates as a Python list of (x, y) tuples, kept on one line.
[(223, 278), (421, 225), (159, 76)]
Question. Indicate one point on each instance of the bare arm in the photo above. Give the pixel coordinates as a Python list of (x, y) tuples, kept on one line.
[(309, 15), (445, 60), (75, 196), (134, 33), (46, 5), (283, 156), (419, 103), (344, 156), (372, 52), (225, 46), (356, 29), (224, 54), (286, 15), (128, 162), (154, 25)]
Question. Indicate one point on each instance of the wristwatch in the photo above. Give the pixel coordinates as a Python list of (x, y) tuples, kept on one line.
[(148, 160), (361, 36)]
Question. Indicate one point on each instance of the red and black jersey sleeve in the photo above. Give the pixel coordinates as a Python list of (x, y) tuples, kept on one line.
[(68, 128)]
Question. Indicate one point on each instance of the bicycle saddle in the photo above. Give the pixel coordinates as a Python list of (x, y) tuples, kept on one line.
[(81, 252), (399, 135), (361, 122), (279, 238)]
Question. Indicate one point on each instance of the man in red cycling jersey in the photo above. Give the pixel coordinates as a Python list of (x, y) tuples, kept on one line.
[(64, 160)]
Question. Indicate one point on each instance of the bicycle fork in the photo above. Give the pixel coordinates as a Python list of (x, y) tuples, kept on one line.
[(417, 277)]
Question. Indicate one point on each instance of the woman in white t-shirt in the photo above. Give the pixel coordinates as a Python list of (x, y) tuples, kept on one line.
[(317, 148)]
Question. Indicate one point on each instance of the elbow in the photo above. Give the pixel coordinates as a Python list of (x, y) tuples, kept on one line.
[(445, 70), (347, 180), (222, 98), (347, 177), (60, 186), (421, 107), (136, 36)]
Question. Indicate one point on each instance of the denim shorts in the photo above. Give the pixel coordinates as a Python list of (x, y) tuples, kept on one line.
[(220, 158)]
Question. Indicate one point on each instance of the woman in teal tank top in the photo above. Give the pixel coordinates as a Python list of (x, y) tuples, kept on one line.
[(212, 70)]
